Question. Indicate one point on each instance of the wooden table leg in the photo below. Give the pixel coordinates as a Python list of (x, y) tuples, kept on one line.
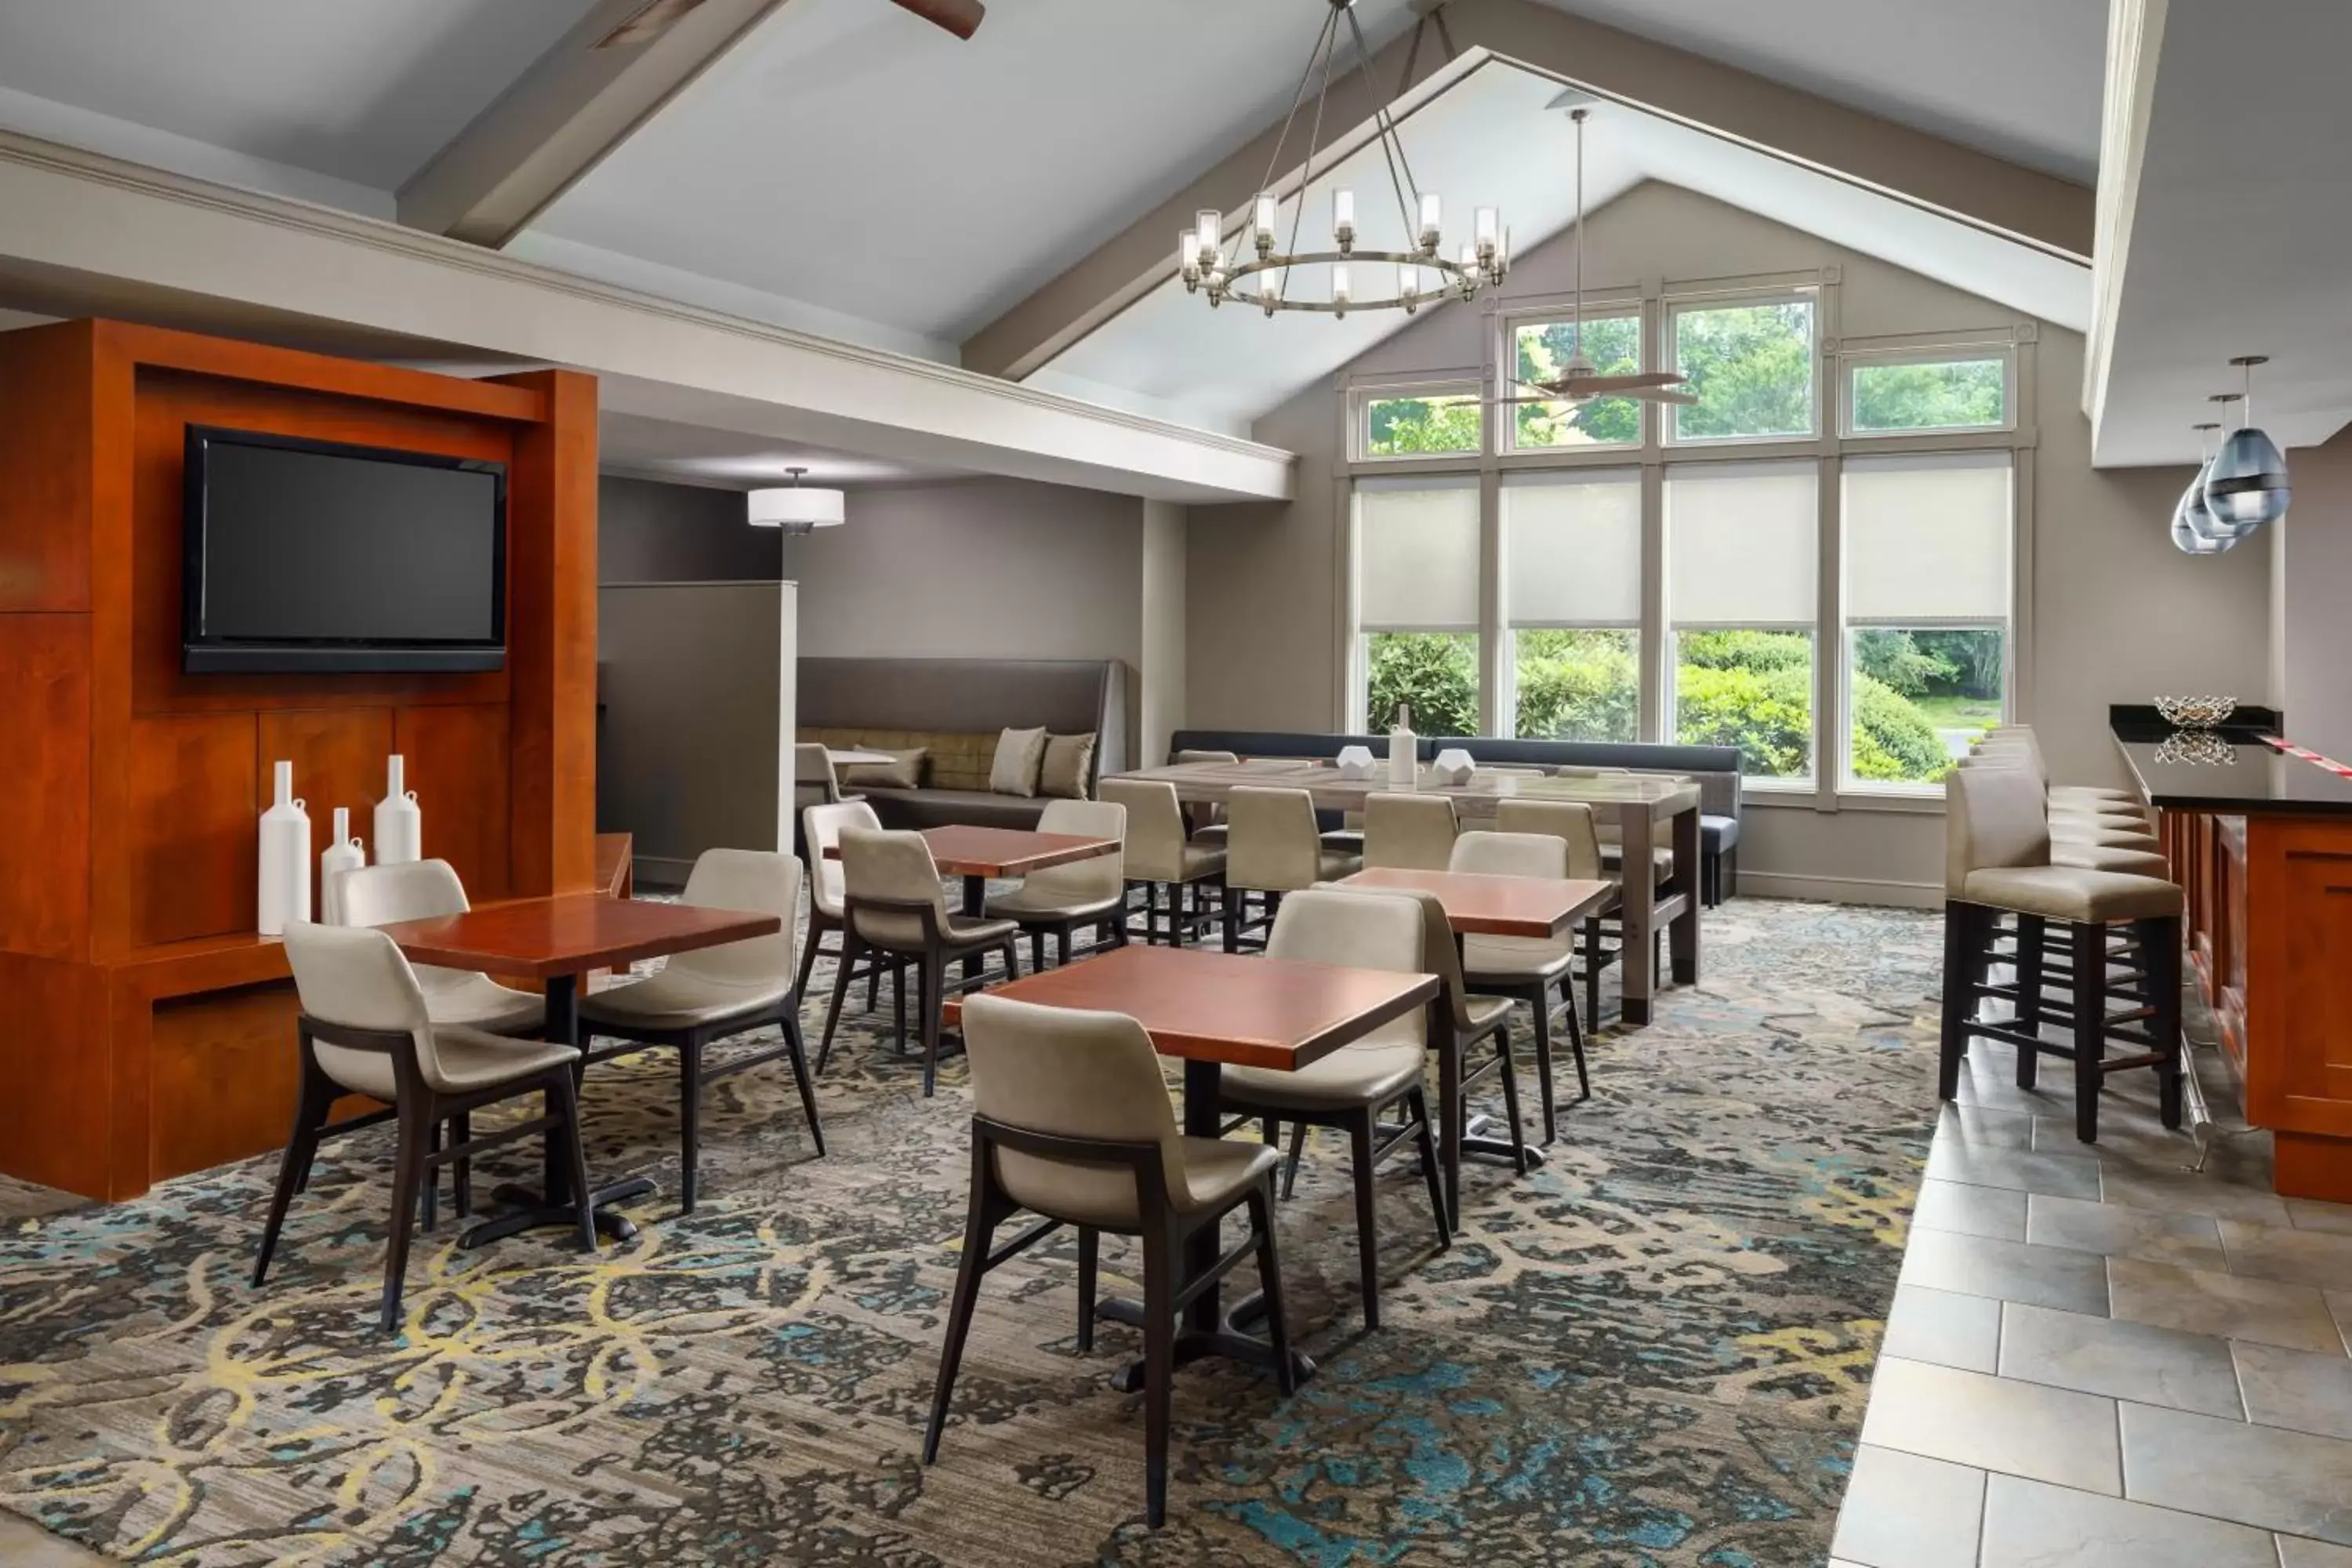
[(1638, 907), (1681, 936)]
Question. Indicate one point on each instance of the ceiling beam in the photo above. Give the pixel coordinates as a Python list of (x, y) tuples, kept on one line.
[(1989, 190), (575, 104)]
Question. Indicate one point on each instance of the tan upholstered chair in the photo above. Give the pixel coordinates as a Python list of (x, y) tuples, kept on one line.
[(1272, 847), (2084, 823), (896, 903), (424, 890), (814, 782), (1998, 862), (1071, 1121), (1527, 968), (1059, 899), (1163, 857), (822, 829), (366, 1028), (714, 992), (2022, 737), (1349, 1087), (1574, 822), (1408, 831)]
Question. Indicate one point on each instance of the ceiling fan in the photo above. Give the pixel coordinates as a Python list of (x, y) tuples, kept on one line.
[(1579, 381), (648, 22)]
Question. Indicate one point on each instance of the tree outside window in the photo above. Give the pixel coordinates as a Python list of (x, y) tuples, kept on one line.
[(1436, 672), (1580, 683), (1409, 426), (1921, 697), (1751, 367), (1614, 344), (1752, 690), (1951, 394)]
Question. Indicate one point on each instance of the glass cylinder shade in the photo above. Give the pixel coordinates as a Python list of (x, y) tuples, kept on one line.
[(1343, 216), (1408, 281), (1188, 250), (1210, 227), (1268, 211), (1341, 292), (1431, 212), (2188, 513), (2246, 484), (797, 507)]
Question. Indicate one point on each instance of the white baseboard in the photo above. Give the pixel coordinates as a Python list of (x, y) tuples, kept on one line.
[(1841, 890)]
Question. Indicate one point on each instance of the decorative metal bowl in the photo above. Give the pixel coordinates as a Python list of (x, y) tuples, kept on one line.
[(2195, 712), (2198, 748)]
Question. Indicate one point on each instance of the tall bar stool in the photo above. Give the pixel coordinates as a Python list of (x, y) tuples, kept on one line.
[(1408, 831), (1208, 822), (1272, 847), (1163, 858), (1997, 862), (1057, 899)]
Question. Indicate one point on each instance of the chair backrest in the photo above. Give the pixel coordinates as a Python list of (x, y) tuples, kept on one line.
[(1439, 955), (1154, 834), (895, 866), (358, 977), (1271, 841), (1195, 756), (814, 781), (1511, 853), (821, 829), (1099, 877), (1409, 832), (1570, 821), (1356, 930), (1993, 816), (407, 890), (1504, 771), (1071, 1073), (758, 881)]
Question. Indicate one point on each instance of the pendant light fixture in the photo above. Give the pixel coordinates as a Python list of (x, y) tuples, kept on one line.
[(2192, 530), (796, 509), (2247, 485)]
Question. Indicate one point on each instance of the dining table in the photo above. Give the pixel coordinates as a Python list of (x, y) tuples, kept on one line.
[(1483, 903), (1636, 803), (554, 942), (1210, 1009), (977, 854)]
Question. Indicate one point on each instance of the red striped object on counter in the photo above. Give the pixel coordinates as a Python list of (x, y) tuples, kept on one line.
[(2330, 764)]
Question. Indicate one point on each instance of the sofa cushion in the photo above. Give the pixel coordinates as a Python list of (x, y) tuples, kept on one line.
[(1069, 763), (1020, 754), (952, 759), (920, 808), (905, 773)]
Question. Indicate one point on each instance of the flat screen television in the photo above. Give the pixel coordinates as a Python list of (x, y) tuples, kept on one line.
[(313, 555)]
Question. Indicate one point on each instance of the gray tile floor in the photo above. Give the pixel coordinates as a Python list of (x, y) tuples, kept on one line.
[(2097, 1359)]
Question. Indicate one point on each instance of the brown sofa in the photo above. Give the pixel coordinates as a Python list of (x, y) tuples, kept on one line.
[(955, 708)]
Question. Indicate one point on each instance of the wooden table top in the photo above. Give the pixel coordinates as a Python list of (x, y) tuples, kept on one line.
[(571, 934), (1208, 784), (1003, 851), (1210, 1006), (1487, 904)]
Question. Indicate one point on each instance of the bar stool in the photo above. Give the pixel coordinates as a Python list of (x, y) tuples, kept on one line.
[(1408, 831), (1272, 847), (1163, 859), (1208, 821), (1997, 862)]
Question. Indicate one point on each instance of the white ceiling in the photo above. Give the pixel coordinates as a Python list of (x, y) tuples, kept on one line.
[(2018, 78), (365, 90), (693, 453)]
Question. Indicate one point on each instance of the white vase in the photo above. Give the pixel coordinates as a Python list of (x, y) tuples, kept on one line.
[(399, 825), (345, 854), (285, 885), (1404, 764)]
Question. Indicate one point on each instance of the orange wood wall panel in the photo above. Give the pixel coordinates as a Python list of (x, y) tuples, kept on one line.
[(2310, 1047), (54, 1109), (231, 1052), (457, 762), (45, 784), (47, 410), (194, 833), (339, 760)]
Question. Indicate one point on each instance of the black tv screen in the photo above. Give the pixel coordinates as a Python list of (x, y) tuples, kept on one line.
[(310, 555)]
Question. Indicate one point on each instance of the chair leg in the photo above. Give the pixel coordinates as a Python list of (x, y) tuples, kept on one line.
[(1270, 1129), (407, 1186), (1952, 1043), (2160, 944), (1368, 1249), (1089, 1268), (315, 1097), (977, 1229), (2032, 933), (1232, 910), (1418, 1103), (897, 1006), (432, 1197), (461, 1174), (1510, 1075), (1539, 1004), (2090, 1025), (1290, 1165), (1062, 946), (808, 955), (1159, 1363), (689, 1120), (873, 986), (1270, 1280), (933, 976), (1575, 1038), (850, 948), (1592, 972), (799, 1054), (1037, 952)]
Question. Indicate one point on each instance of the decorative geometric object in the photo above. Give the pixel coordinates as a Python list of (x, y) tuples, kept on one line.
[(2196, 748), (1357, 763), (1455, 766), (2195, 712)]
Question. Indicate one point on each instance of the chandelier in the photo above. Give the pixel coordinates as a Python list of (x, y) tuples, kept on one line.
[(1259, 268)]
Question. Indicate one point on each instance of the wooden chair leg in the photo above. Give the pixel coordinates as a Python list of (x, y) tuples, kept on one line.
[(1291, 1164), (1089, 1268), (1037, 952), (808, 955), (977, 1229), (873, 986), (312, 1103), (1417, 1102), (897, 1006), (1952, 1043), (1232, 910), (798, 1052), (933, 979), (461, 1176), (1539, 1003), (850, 948), (1062, 946), (1159, 1363), (408, 1186), (2032, 931), (1269, 1279), (1510, 1075), (431, 1205), (689, 1119), (2090, 1025), (1575, 1038), (1592, 972)]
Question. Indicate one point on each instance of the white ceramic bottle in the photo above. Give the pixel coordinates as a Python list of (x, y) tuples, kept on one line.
[(1404, 766), (285, 885), (345, 854), (399, 825)]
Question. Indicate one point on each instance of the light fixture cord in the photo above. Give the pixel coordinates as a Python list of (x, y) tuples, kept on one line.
[(1322, 39), (1392, 142), (1576, 337), (2247, 403), (1313, 137)]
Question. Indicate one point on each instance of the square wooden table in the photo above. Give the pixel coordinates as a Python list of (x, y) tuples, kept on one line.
[(556, 941), (976, 854), (1211, 1009)]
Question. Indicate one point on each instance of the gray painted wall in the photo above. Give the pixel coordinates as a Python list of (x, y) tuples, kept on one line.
[(651, 533)]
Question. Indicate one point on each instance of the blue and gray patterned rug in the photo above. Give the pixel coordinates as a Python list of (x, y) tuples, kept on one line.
[(1655, 1352)]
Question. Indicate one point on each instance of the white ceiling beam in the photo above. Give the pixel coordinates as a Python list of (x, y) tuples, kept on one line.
[(561, 118)]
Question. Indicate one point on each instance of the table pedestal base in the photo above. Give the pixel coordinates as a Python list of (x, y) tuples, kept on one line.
[(529, 1210), (1196, 1345), (1481, 1143)]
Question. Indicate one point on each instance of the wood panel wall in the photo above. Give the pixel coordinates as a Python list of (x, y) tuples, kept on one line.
[(129, 796)]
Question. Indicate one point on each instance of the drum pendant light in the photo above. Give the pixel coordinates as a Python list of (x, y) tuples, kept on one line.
[(2192, 529), (2246, 486)]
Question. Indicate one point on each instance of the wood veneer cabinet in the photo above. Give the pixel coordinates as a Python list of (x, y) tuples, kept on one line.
[(141, 1019)]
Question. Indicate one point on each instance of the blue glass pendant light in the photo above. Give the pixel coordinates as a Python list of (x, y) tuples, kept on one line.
[(2247, 485), (2192, 524)]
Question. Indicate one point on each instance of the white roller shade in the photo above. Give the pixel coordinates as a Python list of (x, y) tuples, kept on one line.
[(1743, 543), (1417, 554), (1573, 548), (1927, 537)]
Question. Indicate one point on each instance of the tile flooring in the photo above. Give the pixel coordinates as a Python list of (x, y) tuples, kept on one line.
[(2096, 1359)]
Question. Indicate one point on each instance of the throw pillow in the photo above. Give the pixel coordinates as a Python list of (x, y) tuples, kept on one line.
[(1068, 760), (905, 772), (1019, 755)]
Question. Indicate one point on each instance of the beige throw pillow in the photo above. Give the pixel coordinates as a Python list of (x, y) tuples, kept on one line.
[(1068, 760), (1019, 753), (904, 772)]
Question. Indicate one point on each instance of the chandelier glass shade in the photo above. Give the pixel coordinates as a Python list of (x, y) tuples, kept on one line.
[(2193, 532), (796, 508), (1259, 264), (2246, 484)]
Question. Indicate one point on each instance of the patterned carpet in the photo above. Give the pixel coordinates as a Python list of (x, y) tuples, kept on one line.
[(1652, 1353)]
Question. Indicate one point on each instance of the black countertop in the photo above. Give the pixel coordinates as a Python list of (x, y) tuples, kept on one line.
[(2231, 770)]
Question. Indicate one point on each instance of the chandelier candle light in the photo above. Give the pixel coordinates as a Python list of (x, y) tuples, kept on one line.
[(1259, 268)]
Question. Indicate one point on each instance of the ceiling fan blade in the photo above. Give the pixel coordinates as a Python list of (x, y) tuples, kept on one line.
[(961, 17), (1610, 386), (1664, 395), (645, 24)]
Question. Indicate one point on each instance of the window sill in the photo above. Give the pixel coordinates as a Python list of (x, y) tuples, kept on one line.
[(1894, 802)]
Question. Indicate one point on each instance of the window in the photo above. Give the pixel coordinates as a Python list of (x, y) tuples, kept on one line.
[(1742, 558), (1750, 366), (1572, 597), (1614, 344), (1887, 393), (1417, 603), (1411, 424), (1926, 606)]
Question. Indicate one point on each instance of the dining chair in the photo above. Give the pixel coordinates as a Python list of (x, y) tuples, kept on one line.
[(822, 831), (1574, 824), (1408, 831), (814, 782), (424, 889), (1071, 1120), (712, 993), (1273, 848), (1526, 968), (1059, 899), (1351, 1087), (1208, 821), (1161, 855), (366, 1027), (894, 904)]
